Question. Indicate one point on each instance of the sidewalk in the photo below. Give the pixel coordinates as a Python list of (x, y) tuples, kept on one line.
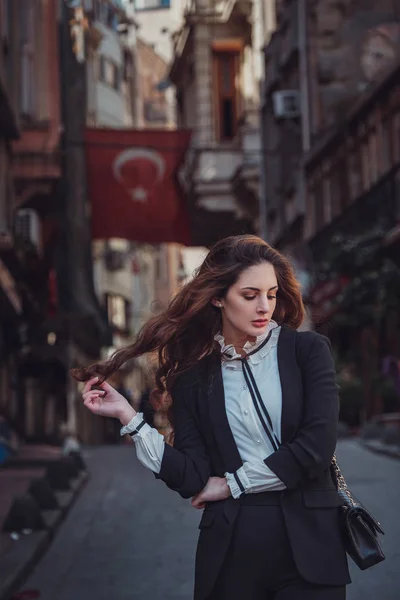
[(382, 435), (19, 555), (381, 447)]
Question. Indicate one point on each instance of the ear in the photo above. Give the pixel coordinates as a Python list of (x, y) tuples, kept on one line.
[(216, 302)]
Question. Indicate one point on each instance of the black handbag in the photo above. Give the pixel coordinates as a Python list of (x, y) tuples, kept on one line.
[(359, 528)]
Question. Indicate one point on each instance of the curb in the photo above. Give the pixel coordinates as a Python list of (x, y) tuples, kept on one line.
[(17, 564), (381, 448)]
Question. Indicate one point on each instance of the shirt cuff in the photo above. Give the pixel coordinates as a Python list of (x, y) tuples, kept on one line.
[(137, 427), (238, 482)]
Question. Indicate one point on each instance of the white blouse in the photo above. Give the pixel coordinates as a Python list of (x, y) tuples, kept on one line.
[(251, 440)]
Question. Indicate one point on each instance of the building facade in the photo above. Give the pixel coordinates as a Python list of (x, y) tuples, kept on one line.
[(38, 398), (45, 250), (216, 70), (158, 20), (110, 65), (154, 92), (353, 214), (132, 281), (11, 306), (321, 59), (330, 117)]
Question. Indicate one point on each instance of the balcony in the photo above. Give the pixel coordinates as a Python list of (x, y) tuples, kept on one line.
[(216, 10)]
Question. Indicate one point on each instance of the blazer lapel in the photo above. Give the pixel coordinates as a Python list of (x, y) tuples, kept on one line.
[(290, 383), (219, 420)]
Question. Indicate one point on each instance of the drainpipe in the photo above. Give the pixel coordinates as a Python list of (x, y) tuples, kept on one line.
[(304, 77), (263, 195), (262, 203)]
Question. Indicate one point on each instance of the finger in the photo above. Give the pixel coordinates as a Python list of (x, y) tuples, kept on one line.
[(90, 405), (89, 383), (93, 394), (90, 396), (196, 500), (106, 387)]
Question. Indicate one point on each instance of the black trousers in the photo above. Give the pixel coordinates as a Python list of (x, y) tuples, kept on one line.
[(259, 564)]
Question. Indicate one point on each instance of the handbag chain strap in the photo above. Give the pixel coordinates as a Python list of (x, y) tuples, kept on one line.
[(340, 481)]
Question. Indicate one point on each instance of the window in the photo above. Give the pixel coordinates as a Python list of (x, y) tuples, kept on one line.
[(354, 170), (110, 73), (161, 264), (386, 142), (366, 166), (5, 19), (396, 137), (117, 311), (226, 72), (340, 195), (27, 65), (115, 76), (152, 4), (373, 155), (102, 68), (106, 14), (317, 195)]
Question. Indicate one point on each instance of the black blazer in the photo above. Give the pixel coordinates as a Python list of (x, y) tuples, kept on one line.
[(204, 446)]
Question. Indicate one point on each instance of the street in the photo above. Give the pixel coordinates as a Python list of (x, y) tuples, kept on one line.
[(129, 537)]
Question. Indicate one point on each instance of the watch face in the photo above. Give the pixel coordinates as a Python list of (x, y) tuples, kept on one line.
[(378, 51)]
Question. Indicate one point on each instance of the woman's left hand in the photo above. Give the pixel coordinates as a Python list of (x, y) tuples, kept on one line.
[(216, 489)]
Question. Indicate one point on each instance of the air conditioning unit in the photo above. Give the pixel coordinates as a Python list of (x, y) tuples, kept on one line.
[(27, 227), (286, 104)]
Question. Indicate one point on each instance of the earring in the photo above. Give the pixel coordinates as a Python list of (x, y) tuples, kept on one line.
[(219, 304)]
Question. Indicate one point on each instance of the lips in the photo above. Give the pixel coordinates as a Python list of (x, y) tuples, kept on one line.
[(260, 322)]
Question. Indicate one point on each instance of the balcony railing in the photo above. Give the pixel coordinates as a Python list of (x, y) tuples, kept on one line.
[(152, 4), (212, 8)]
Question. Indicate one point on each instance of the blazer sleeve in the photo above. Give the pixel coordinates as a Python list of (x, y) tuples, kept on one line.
[(185, 466), (311, 451)]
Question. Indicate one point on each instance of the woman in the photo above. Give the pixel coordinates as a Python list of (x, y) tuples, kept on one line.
[(254, 411)]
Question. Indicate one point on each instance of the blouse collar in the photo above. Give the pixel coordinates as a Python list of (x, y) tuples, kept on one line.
[(231, 354)]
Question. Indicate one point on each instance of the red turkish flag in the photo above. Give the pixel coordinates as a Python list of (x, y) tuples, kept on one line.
[(133, 184)]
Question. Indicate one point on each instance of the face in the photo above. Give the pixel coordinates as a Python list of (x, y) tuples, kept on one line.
[(249, 304)]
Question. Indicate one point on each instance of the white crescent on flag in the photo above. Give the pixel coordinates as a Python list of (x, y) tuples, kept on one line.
[(134, 153)]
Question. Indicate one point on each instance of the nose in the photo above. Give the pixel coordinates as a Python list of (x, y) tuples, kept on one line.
[(263, 306)]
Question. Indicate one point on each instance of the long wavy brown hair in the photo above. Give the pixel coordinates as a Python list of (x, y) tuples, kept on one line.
[(184, 333)]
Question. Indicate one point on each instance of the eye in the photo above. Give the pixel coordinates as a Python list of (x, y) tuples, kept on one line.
[(249, 297), (271, 297)]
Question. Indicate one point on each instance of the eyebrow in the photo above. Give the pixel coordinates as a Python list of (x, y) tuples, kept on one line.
[(257, 290)]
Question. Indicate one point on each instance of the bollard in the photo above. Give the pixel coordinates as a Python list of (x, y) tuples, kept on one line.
[(70, 466), (58, 475), (40, 489), (24, 514), (78, 459)]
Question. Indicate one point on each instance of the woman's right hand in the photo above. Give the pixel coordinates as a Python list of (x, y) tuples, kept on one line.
[(107, 402)]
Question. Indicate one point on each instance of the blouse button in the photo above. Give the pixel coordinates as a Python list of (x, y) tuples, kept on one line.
[(245, 387), (258, 441), (246, 412)]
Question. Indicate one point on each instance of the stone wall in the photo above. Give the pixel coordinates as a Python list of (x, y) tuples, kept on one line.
[(353, 42)]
